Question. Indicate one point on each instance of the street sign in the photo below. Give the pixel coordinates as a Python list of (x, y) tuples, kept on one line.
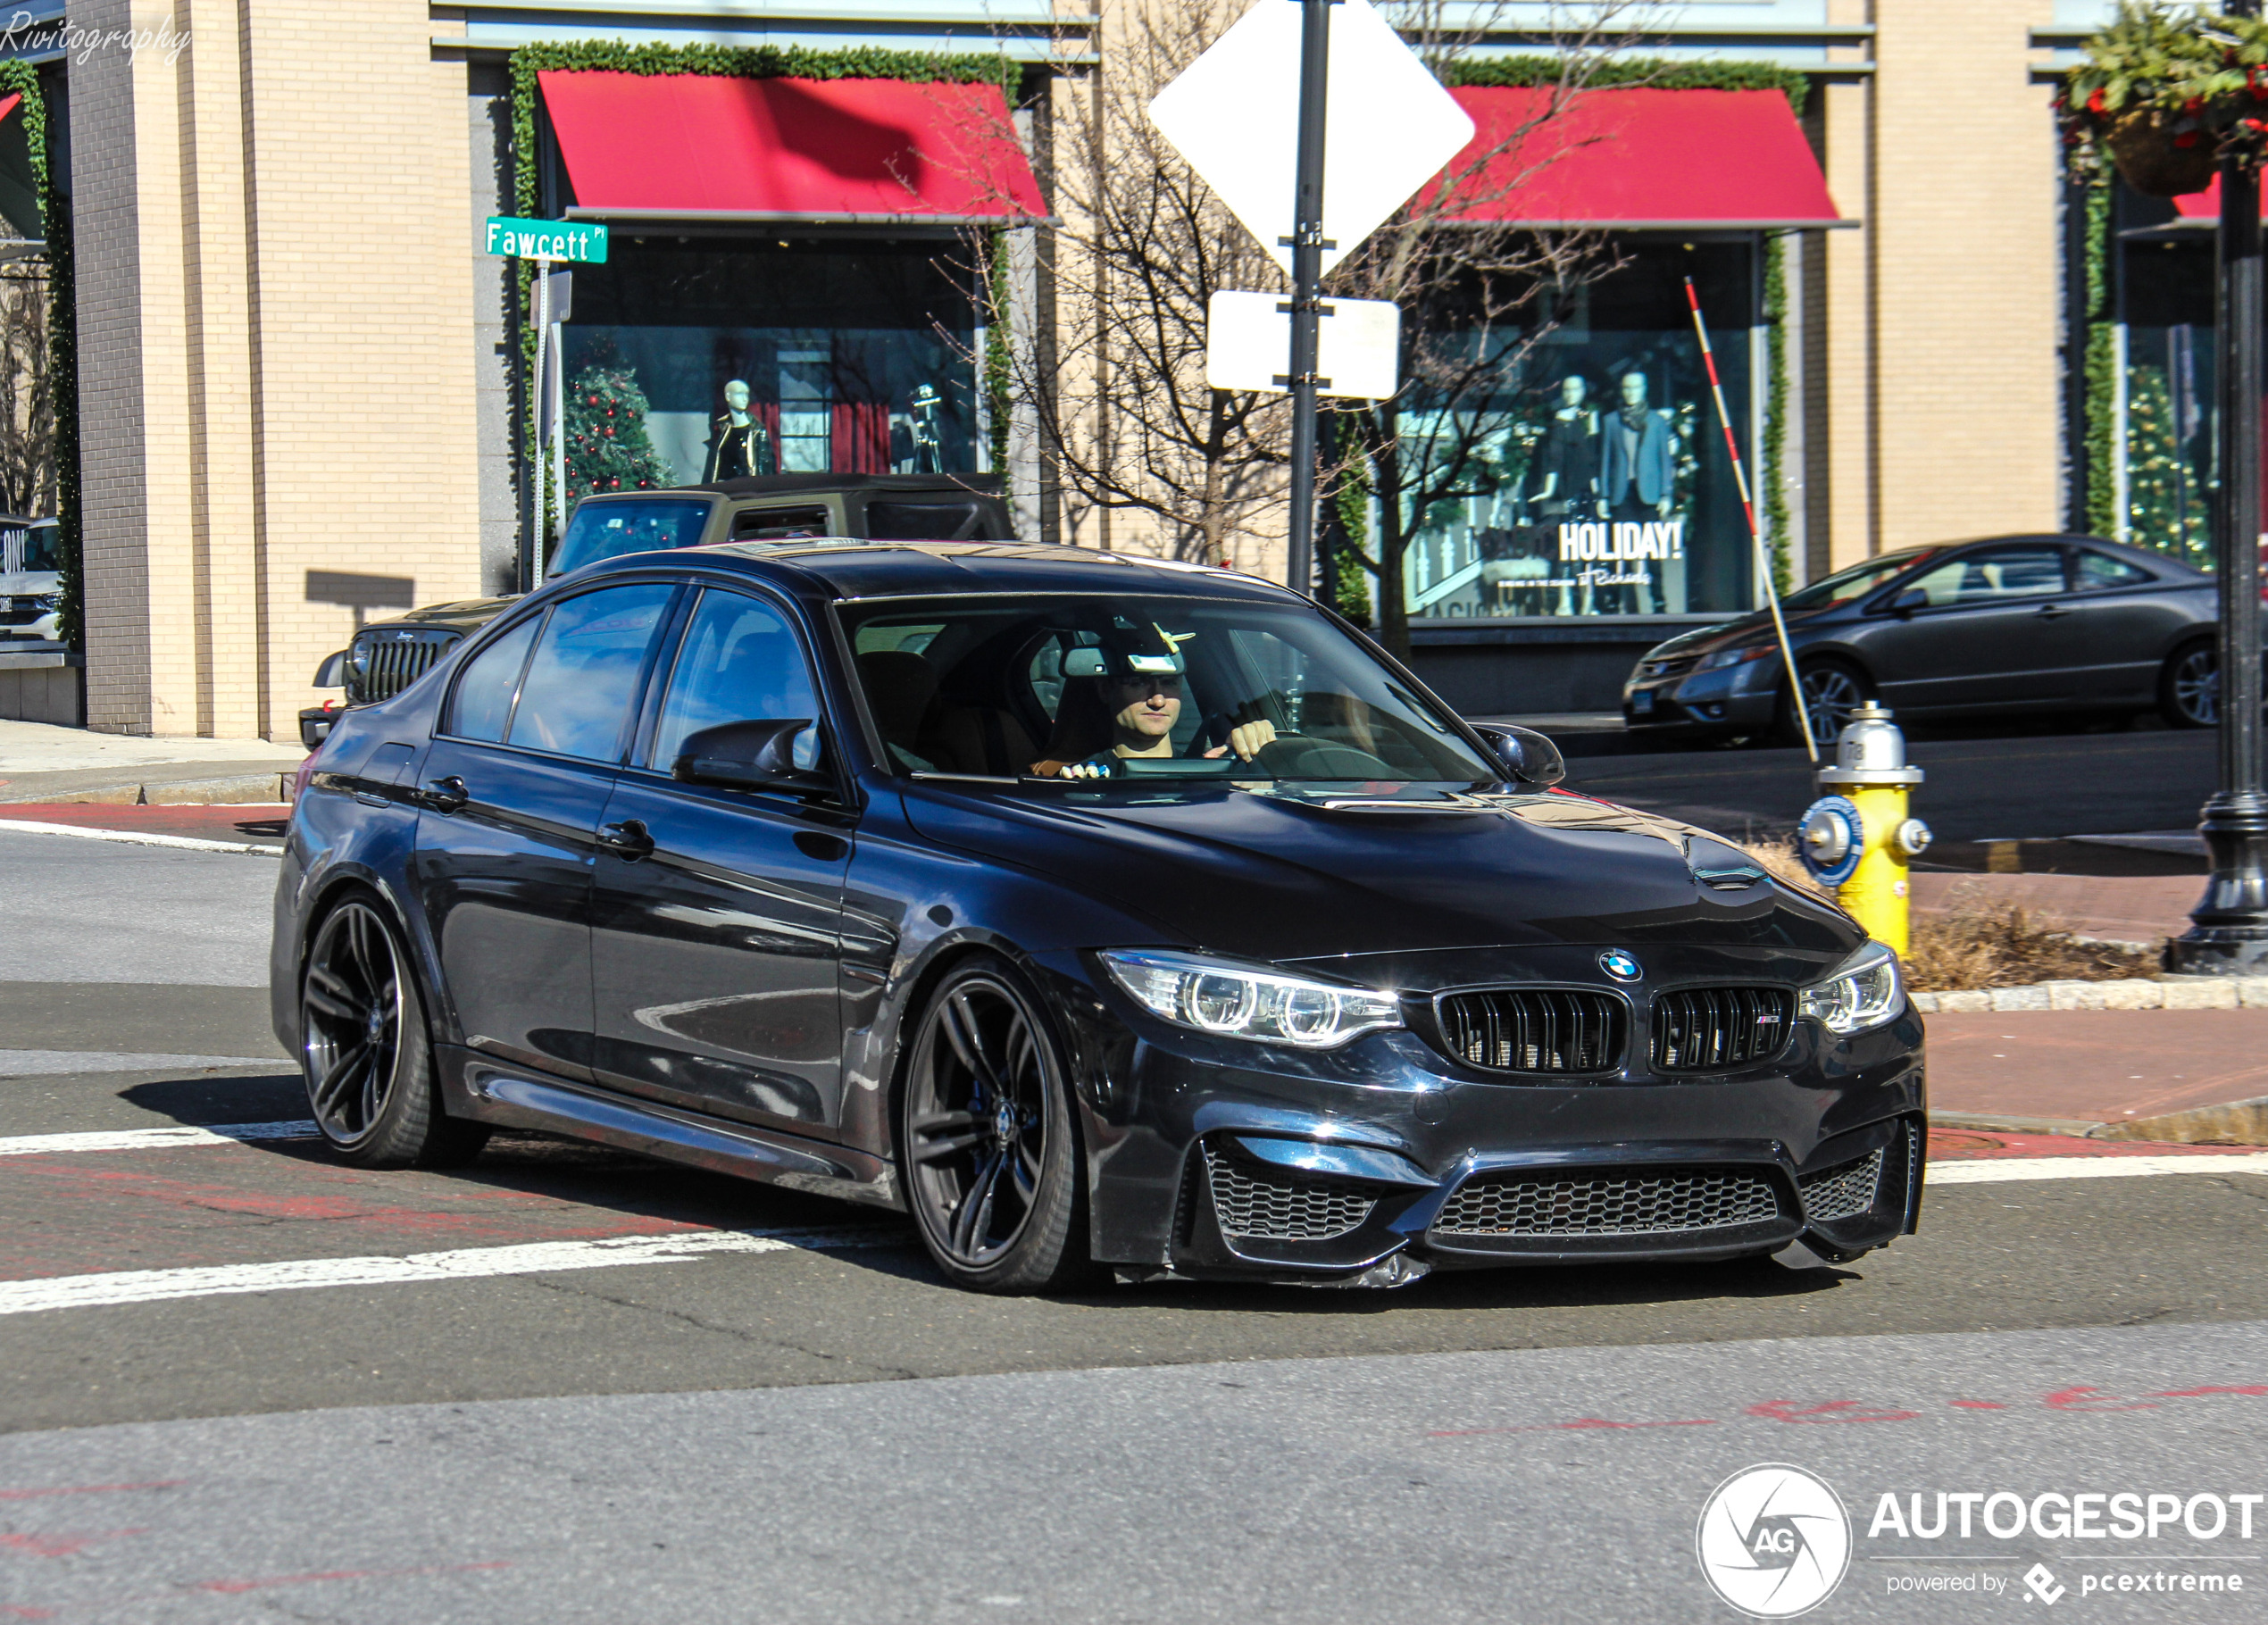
[(577, 241), (1234, 115), (553, 294), (1248, 345)]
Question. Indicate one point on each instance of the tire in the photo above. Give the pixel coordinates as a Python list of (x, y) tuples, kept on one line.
[(1833, 690), (364, 1051), (2190, 687), (988, 1138)]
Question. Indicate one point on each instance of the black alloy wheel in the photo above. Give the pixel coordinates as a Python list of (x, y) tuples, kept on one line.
[(2190, 688), (364, 1052), (989, 1146), (1831, 692)]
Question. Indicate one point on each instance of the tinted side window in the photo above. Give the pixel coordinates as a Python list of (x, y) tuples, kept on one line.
[(577, 696), (779, 524), (483, 703), (740, 663), (961, 520), (2099, 570), (1996, 574)]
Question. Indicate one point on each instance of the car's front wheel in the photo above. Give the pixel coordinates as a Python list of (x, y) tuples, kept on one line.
[(1831, 692), (2190, 687), (987, 1137), (364, 1050)]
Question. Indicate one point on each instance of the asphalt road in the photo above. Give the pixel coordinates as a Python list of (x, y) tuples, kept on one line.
[(239, 1381), (2030, 786)]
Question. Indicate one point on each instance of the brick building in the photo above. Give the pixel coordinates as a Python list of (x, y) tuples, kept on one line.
[(299, 371)]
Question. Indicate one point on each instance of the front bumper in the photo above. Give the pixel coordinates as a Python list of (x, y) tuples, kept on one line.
[(1216, 1159), (1732, 699)]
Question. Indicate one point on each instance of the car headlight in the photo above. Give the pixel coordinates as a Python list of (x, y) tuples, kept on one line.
[(1722, 658), (1862, 994), (1233, 1001)]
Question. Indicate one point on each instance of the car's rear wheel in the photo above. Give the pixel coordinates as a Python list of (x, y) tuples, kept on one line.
[(364, 1051), (1831, 692), (986, 1139), (2189, 687)]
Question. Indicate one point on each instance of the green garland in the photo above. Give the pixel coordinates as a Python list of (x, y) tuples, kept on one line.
[(2101, 385), (1777, 523), (730, 61), (19, 78), (999, 359), (1648, 72)]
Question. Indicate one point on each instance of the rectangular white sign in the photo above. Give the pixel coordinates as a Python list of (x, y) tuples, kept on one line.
[(1248, 345)]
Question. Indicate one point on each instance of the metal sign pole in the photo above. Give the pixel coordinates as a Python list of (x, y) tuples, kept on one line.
[(2231, 929), (558, 426), (538, 398), (1307, 246)]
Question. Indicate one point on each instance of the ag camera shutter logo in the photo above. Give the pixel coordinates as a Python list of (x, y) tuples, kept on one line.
[(1774, 1541)]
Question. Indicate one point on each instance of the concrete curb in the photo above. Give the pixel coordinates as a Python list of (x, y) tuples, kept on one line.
[(2174, 993), (260, 788)]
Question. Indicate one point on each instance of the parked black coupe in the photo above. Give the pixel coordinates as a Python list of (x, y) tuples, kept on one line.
[(1100, 911), (2006, 625)]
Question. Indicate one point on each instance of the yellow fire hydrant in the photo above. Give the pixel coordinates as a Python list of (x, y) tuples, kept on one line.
[(1857, 837)]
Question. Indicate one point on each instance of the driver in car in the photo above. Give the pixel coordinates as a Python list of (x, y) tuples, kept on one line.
[(1138, 679)]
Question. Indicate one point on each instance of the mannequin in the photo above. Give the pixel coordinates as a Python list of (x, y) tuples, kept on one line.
[(1569, 455), (738, 444), (929, 458), (1637, 478)]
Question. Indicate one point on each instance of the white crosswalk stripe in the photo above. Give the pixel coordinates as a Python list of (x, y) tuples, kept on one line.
[(117, 1287), (153, 1140)]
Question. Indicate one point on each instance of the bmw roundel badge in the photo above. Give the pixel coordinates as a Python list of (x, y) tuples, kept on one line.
[(1623, 967)]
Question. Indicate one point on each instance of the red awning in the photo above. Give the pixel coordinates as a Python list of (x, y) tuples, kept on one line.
[(2203, 208), (1633, 159), (680, 145)]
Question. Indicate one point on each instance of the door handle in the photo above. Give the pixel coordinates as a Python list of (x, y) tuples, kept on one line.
[(2049, 611), (447, 795), (628, 840)]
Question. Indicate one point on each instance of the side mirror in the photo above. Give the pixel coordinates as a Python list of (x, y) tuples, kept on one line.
[(332, 672), (757, 755), (1912, 598), (1526, 754)]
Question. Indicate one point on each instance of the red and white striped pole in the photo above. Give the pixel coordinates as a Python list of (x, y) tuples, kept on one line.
[(1756, 536)]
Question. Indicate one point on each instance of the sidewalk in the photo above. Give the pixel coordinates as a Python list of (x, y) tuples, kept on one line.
[(2193, 1076), (2121, 908), (41, 761)]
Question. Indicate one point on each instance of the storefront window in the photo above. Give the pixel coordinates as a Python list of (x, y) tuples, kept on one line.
[(699, 358), (2167, 478), (1598, 482)]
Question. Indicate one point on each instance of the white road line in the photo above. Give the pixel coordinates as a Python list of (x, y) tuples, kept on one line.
[(462, 1264), (153, 1140), (135, 837), (1991, 1170), (58, 1063)]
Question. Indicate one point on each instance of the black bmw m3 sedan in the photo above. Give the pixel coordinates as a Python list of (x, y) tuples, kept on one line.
[(1103, 913)]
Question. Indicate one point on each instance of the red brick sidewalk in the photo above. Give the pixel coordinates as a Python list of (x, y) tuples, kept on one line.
[(2124, 908), (221, 821), (2103, 1066)]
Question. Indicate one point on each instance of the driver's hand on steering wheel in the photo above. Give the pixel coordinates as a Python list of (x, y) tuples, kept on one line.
[(1247, 740)]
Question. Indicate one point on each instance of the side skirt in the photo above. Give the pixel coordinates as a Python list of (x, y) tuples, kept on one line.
[(475, 1087)]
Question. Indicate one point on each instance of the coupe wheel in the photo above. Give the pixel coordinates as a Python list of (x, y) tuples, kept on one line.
[(1831, 692), (2190, 688), (989, 1152), (364, 1052)]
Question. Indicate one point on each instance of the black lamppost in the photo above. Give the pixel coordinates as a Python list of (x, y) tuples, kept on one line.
[(2231, 929)]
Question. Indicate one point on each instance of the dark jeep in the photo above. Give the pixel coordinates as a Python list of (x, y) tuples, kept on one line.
[(388, 655)]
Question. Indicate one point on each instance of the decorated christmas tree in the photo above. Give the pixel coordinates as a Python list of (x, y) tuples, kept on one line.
[(607, 446), (2164, 508)]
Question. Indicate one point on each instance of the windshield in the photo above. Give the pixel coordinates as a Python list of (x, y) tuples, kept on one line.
[(1158, 689), (39, 549), (608, 530), (1855, 582)]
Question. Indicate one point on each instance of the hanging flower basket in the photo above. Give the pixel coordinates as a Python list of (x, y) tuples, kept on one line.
[(2165, 95), (2158, 160)]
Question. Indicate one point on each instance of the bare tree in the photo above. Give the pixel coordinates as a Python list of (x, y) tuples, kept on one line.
[(27, 401)]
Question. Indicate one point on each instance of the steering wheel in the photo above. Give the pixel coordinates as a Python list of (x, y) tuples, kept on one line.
[(1297, 756)]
